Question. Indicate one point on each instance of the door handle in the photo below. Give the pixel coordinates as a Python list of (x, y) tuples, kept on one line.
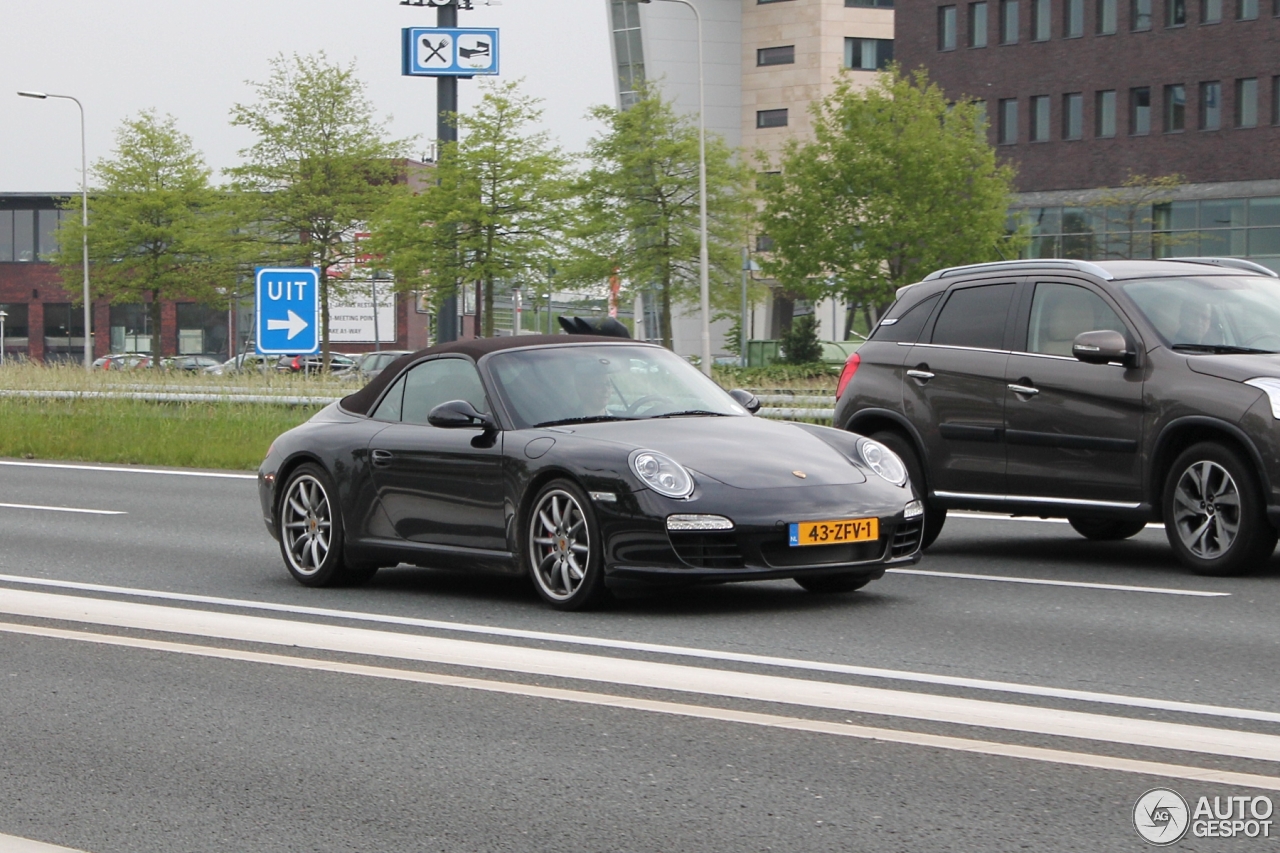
[(381, 457), (921, 376), (1024, 389)]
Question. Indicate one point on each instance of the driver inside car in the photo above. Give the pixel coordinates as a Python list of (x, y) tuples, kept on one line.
[(592, 386)]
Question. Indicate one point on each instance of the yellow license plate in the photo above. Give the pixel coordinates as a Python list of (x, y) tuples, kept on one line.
[(834, 532)]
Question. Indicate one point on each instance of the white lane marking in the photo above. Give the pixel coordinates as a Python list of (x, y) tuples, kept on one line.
[(1113, 587), (1032, 753), (65, 509), (987, 516), (676, 651), (14, 844), (644, 674), (130, 470)]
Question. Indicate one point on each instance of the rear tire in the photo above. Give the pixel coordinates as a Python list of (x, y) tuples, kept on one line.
[(1214, 514), (934, 516), (311, 533), (1106, 529), (827, 584)]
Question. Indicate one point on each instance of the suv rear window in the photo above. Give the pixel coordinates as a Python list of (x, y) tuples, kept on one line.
[(974, 317), (909, 324)]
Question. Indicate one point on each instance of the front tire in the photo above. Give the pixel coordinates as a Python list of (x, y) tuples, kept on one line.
[(563, 548), (1214, 514), (828, 584), (934, 516), (1105, 529), (311, 534)]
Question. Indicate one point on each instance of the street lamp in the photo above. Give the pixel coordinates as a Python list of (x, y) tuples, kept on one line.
[(3, 315), (84, 221), (704, 285)]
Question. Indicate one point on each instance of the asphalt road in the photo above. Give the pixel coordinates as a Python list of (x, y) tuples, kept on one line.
[(169, 687)]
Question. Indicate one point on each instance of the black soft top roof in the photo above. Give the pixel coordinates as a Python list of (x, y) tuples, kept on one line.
[(362, 401)]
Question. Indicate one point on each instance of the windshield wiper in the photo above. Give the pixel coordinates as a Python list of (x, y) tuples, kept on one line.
[(590, 419), (692, 412), (1220, 349)]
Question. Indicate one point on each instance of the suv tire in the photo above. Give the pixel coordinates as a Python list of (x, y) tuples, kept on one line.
[(1105, 529), (1214, 514), (934, 516)]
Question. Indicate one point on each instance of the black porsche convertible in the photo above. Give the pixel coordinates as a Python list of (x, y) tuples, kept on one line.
[(583, 461)]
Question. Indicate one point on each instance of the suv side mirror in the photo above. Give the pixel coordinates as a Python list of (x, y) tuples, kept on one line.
[(457, 414), (749, 401), (1101, 347)]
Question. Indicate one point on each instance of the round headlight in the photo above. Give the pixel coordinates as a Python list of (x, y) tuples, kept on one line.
[(661, 473), (883, 461)]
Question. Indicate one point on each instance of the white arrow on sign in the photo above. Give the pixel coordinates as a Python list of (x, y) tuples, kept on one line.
[(294, 324)]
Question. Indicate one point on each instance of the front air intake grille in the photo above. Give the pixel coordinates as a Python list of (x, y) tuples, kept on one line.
[(906, 539), (707, 549)]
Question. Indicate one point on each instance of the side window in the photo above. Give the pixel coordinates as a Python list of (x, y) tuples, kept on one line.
[(1059, 312), (434, 382), (974, 317), (908, 325), (389, 408)]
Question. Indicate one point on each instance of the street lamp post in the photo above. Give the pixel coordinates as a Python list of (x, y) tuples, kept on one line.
[(84, 222), (3, 316), (704, 283)]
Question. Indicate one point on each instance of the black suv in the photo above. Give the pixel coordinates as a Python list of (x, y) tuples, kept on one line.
[(1112, 394)]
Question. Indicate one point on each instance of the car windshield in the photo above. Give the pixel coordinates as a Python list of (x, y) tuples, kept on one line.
[(582, 384), (1212, 313)]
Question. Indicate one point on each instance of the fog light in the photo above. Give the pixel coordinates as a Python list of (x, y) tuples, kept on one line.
[(915, 509), (698, 522)]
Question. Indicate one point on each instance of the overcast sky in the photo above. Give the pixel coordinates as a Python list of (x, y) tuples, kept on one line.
[(192, 60)]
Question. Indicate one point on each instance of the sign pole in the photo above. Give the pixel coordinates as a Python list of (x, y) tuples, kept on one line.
[(446, 131)]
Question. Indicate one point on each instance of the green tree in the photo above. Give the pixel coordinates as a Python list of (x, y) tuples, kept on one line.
[(640, 207), (896, 183), (157, 229), (800, 343), (496, 209), (321, 167)]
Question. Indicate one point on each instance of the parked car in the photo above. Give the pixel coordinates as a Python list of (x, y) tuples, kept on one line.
[(581, 463), (189, 363), (370, 364), (245, 362), (122, 361), (1111, 394), (339, 364)]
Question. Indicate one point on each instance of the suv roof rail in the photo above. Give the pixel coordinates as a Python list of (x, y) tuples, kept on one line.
[(1234, 263), (1037, 263)]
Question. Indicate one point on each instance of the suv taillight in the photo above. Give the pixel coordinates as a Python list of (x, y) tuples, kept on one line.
[(850, 368)]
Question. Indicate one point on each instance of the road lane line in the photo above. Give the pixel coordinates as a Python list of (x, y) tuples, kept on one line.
[(800, 724), (675, 651), (645, 674), (14, 844), (130, 470), (64, 509), (1113, 587)]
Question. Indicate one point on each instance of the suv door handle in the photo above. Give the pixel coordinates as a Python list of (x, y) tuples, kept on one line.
[(381, 457), (1024, 389), (922, 376)]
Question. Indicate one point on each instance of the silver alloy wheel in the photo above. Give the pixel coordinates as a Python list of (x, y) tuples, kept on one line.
[(1206, 510), (559, 544), (306, 520)]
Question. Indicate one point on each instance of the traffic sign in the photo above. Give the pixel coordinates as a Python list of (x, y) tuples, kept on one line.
[(288, 310), (448, 52)]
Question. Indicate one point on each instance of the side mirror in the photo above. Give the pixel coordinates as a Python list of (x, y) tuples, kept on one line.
[(457, 414), (1101, 347), (749, 401)]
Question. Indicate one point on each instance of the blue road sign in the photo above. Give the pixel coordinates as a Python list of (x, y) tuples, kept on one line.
[(288, 310), (448, 52)]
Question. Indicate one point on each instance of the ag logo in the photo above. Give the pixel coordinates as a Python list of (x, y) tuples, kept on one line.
[(1161, 816)]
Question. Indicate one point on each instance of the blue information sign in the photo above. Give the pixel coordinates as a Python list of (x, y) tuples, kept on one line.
[(288, 310), (448, 52)]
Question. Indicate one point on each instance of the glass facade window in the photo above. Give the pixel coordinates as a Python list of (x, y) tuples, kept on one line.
[(1073, 19), (1040, 28), (1246, 10), (785, 55), (1141, 15), (130, 328), (46, 231), (202, 329), (15, 325), (1175, 13), (1072, 115), (6, 235), (946, 28), (1140, 111), (1008, 21), (1211, 105), (1008, 130), (1247, 102), (867, 54), (1108, 17), (24, 236), (771, 118), (1039, 130), (1210, 11), (1175, 108), (628, 49), (978, 24), (872, 4), (1104, 111)]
